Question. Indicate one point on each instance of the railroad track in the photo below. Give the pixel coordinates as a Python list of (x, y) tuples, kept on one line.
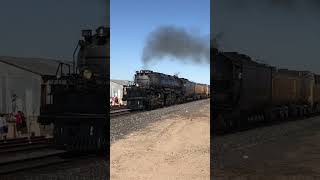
[(119, 112), (24, 153), (24, 144), (30, 160), (112, 108)]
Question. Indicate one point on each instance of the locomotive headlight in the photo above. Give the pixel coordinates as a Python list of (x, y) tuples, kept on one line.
[(87, 74)]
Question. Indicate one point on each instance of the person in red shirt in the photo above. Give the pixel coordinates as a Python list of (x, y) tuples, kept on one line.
[(116, 100)]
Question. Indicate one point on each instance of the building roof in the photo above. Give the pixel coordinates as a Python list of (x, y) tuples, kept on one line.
[(121, 82), (40, 66)]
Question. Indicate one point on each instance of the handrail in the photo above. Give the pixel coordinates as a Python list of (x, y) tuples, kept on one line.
[(60, 67)]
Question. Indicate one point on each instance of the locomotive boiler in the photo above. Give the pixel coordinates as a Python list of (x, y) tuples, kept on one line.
[(152, 90), (78, 99)]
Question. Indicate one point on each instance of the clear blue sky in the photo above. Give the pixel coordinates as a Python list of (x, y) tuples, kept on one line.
[(132, 20)]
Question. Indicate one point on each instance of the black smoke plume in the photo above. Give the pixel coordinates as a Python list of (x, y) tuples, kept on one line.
[(177, 43)]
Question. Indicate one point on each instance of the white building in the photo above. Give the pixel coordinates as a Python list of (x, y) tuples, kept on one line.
[(24, 78), (116, 89)]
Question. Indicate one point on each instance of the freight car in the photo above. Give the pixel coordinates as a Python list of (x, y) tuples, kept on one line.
[(77, 105), (292, 92), (246, 91), (152, 90), (201, 91)]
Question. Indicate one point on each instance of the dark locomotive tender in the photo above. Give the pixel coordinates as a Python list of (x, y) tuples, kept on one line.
[(152, 90), (79, 99), (247, 91)]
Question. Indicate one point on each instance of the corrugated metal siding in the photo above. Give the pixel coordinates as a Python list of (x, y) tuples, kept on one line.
[(116, 90), (25, 84)]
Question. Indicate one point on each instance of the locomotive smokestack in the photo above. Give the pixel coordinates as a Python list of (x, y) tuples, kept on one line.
[(177, 43)]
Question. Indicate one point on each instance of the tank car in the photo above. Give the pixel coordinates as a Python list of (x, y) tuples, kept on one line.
[(292, 92), (79, 99), (201, 91)]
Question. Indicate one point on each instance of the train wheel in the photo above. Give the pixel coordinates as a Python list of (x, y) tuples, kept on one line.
[(147, 106), (300, 111), (287, 112), (267, 115), (283, 113), (229, 124), (293, 111)]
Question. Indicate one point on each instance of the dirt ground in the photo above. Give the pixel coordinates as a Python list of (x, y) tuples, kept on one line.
[(176, 147), (294, 156)]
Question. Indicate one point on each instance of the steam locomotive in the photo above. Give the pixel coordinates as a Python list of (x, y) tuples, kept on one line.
[(247, 92), (77, 105), (152, 90)]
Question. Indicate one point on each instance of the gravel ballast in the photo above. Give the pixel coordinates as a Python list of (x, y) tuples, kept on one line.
[(121, 126)]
